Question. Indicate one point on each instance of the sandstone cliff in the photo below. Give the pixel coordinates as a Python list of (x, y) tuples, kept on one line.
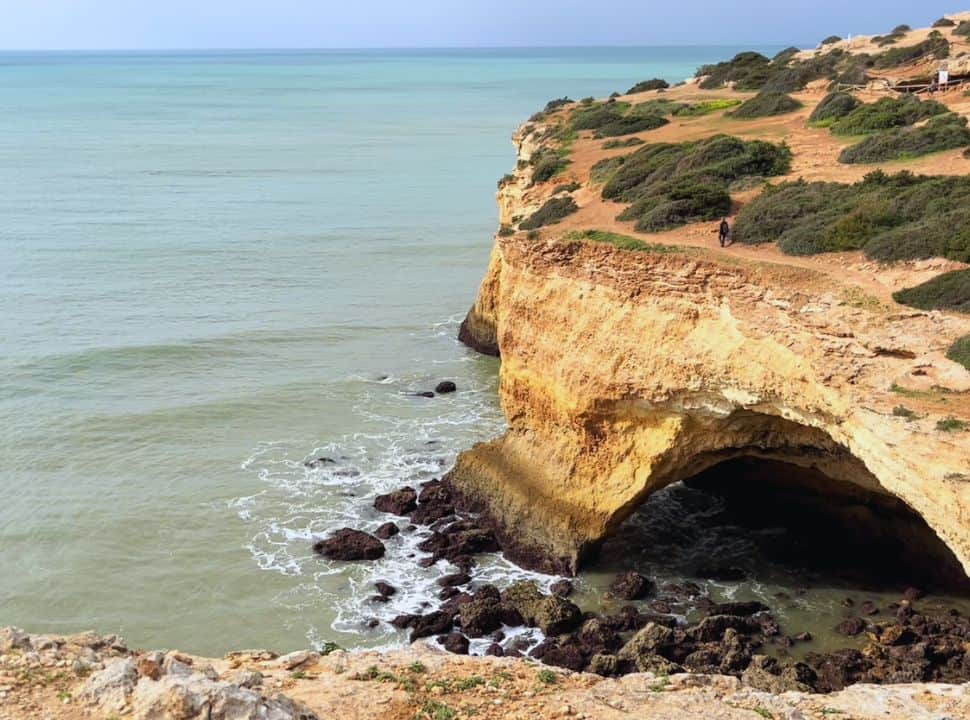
[(623, 372)]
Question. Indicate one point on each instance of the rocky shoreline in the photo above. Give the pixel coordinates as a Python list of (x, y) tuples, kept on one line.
[(89, 676), (898, 643)]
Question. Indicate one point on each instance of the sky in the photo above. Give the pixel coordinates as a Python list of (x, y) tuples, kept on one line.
[(215, 24)]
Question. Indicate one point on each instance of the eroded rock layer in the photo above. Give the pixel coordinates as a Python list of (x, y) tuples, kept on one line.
[(624, 372)]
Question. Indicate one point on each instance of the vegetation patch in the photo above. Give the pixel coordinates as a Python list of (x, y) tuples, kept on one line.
[(672, 184), (963, 29), (747, 70), (945, 132), (890, 217), (944, 22), (766, 104), (887, 113), (648, 85), (831, 40), (705, 108), (551, 107), (935, 46), (951, 424), (959, 352), (623, 242), (552, 212), (834, 106), (605, 169), (629, 142), (904, 412), (949, 291)]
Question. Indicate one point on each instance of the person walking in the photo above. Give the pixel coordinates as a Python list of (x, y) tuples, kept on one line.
[(724, 232)]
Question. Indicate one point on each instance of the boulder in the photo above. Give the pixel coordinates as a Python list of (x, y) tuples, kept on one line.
[(495, 650), (481, 616), (385, 589), (350, 545), (562, 588), (653, 639), (555, 615), (435, 623), (454, 579), (111, 688), (631, 586), (604, 664), (455, 643), (445, 387), (387, 530), (851, 626), (399, 502)]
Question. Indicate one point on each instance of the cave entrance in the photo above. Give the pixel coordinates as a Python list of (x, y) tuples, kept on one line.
[(778, 524)]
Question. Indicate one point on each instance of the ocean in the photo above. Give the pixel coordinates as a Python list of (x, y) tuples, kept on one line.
[(217, 266)]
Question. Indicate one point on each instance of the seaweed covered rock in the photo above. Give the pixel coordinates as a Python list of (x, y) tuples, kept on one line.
[(350, 545)]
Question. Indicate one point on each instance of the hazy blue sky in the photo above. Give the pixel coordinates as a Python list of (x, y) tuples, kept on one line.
[(41, 24)]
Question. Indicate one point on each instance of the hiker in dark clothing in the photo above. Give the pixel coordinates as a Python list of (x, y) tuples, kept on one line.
[(724, 232)]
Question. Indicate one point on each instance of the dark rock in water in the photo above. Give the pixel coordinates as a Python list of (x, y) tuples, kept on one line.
[(427, 562), (712, 627), (851, 626), (319, 462), (848, 602), (428, 513), (454, 604), (869, 608), (604, 664), (379, 599), (402, 622), (631, 586), (495, 650), (387, 530), (803, 637), (434, 491), (896, 635), (564, 654), (660, 606), (481, 616), (424, 394), (454, 579), (453, 546), (498, 636), (904, 612), (349, 544), (448, 593), (455, 643), (445, 387), (385, 589), (562, 588), (837, 670), (435, 623), (739, 608), (912, 594), (399, 502), (373, 623)]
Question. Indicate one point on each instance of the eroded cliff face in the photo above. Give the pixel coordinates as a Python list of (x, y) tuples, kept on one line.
[(624, 372)]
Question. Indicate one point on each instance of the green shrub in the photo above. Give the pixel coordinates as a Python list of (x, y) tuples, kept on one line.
[(747, 70), (660, 106), (630, 124), (506, 231), (785, 55), (887, 113), (963, 29), (833, 106), (949, 291), (587, 100), (951, 424), (605, 169), (944, 22), (672, 184), (902, 29), (766, 104), (629, 142), (552, 212), (647, 85), (545, 164), (904, 412), (831, 39), (938, 47), (567, 187), (623, 242), (706, 107), (945, 132), (533, 235), (891, 218), (959, 351)]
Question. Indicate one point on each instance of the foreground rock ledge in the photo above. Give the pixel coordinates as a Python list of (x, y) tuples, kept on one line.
[(87, 676), (625, 372)]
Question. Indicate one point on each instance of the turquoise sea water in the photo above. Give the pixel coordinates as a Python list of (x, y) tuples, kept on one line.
[(216, 265)]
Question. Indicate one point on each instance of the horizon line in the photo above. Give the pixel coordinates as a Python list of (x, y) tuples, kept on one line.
[(324, 48)]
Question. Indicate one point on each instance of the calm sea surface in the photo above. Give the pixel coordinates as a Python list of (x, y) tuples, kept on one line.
[(215, 266)]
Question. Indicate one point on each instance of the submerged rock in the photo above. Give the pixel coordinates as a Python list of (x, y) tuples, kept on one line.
[(445, 387), (387, 530), (350, 545)]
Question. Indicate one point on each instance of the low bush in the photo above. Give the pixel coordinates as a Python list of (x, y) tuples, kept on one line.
[(550, 107), (605, 169), (506, 231), (944, 22), (945, 132), (630, 124), (766, 104), (890, 217), (963, 29), (831, 40), (597, 115), (647, 85), (629, 142), (783, 56), (545, 164), (949, 291), (567, 187), (671, 184), (937, 47), (623, 242), (887, 113), (959, 351), (706, 107), (747, 70), (902, 29), (833, 106), (552, 212)]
